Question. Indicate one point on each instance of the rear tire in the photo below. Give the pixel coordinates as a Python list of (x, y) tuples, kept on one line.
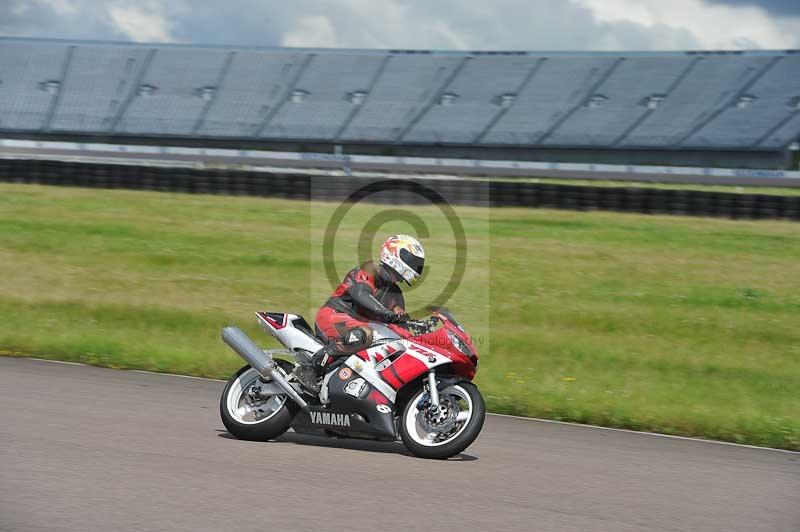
[(413, 433), (242, 420)]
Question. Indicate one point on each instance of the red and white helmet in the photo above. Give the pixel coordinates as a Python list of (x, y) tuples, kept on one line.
[(405, 255)]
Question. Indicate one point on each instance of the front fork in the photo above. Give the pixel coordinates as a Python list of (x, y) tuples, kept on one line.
[(433, 391), (430, 400)]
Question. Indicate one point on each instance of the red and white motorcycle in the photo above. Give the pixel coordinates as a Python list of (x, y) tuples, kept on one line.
[(414, 382)]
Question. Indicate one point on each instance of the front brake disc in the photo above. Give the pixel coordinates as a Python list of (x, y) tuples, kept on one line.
[(443, 420)]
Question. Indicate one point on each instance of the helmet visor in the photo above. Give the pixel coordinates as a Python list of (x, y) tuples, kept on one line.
[(413, 262)]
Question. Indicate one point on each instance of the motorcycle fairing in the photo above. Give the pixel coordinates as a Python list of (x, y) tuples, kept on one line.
[(414, 360), (366, 370), (359, 388), (351, 391), (277, 320), (361, 410), (289, 329), (318, 419)]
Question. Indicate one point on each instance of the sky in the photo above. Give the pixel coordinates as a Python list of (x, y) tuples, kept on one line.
[(537, 25)]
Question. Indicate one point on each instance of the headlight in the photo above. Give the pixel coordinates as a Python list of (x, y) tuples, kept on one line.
[(456, 342), (460, 344)]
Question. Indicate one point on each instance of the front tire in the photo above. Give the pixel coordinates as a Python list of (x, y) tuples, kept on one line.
[(453, 429), (260, 420)]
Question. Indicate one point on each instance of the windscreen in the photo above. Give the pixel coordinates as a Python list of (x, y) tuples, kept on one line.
[(447, 314)]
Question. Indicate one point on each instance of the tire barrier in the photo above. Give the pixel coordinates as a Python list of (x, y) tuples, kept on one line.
[(457, 191)]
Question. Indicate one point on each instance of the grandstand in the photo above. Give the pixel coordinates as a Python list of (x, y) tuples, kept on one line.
[(681, 108)]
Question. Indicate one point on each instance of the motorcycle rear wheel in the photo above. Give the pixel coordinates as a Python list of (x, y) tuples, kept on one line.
[(256, 421), (420, 435)]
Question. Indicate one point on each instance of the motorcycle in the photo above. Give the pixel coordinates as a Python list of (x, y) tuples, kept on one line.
[(414, 381)]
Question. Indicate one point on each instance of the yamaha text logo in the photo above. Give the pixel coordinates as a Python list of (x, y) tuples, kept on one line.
[(326, 418)]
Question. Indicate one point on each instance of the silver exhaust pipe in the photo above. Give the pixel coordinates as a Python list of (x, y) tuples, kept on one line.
[(259, 361)]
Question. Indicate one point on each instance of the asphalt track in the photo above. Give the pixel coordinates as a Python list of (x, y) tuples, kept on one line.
[(92, 449)]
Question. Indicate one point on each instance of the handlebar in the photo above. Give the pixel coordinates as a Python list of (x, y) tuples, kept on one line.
[(425, 325)]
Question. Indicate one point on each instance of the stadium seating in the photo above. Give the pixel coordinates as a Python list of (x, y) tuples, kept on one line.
[(717, 100)]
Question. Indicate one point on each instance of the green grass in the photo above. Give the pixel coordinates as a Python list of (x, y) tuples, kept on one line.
[(678, 325)]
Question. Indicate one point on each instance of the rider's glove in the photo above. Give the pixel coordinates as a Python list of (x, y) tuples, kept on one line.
[(400, 317)]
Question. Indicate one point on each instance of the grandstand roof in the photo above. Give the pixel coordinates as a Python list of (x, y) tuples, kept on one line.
[(729, 100)]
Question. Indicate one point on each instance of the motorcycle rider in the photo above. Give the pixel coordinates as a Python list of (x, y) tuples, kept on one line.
[(368, 293)]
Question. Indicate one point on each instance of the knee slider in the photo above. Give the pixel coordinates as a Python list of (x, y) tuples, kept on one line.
[(357, 338)]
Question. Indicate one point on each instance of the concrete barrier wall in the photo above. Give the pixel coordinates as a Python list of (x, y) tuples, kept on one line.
[(456, 191), (177, 156)]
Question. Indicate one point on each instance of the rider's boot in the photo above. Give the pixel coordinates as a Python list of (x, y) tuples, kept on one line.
[(310, 372)]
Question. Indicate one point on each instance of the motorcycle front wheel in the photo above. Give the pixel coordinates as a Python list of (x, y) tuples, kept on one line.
[(449, 429), (251, 417)]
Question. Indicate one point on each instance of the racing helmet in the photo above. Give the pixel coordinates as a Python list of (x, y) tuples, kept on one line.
[(405, 256)]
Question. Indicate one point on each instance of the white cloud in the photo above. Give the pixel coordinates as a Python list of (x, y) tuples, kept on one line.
[(440, 24), (469, 25), (141, 21), (315, 31), (453, 37), (715, 26), (19, 9), (537, 24), (62, 7)]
